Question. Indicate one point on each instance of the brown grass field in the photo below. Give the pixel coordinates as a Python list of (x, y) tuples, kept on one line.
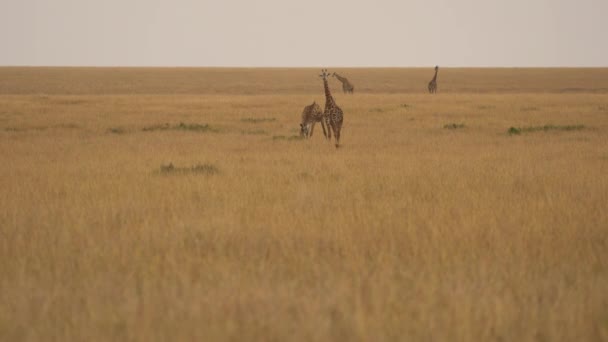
[(430, 223)]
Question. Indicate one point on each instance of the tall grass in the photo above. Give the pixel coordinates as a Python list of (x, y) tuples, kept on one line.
[(408, 232)]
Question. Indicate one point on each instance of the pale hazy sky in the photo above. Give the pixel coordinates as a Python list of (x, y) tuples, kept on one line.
[(304, 33)]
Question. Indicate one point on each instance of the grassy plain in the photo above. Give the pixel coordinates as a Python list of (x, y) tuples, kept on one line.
[(431, 222)]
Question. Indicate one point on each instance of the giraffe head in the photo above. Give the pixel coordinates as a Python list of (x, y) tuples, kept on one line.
[(436, 67), (303, 130), (324, 74)]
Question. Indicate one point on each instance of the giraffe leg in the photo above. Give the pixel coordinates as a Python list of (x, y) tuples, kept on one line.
[(337, 129), (328, 123), (323, 126), (312, 128)]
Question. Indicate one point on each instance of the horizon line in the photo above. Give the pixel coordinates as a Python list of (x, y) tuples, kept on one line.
[(301, 67)]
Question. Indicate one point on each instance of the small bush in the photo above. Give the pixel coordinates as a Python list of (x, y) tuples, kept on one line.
[(193, 127), (161, 127), (567, 128), (116, 130), (545, 128), (514, 131), (453, 126), (167, 168), (206, 169)]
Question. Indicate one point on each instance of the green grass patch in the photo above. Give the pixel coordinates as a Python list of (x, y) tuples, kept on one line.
[(514, 131), (203, 169), (258, 120), (454, 126), (180, 127), (545, 128)]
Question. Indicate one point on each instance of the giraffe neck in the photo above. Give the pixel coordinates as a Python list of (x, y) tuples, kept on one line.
[(435, 77), (329, 100), (340, 78)]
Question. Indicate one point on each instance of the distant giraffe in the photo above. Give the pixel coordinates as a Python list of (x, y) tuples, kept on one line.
[(310, 116), (347, 87), (433, 83), (333, 114)]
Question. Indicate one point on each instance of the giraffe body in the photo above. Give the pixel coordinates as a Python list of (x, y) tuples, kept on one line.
[(334, 116), (310, 116), (347, 87), (433, 83)]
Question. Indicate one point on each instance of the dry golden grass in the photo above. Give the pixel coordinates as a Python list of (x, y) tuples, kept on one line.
[(410, 231)]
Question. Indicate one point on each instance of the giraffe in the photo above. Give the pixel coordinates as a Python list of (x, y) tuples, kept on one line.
[(433, 83), (310, 116), (347, 87), (333, 114)]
